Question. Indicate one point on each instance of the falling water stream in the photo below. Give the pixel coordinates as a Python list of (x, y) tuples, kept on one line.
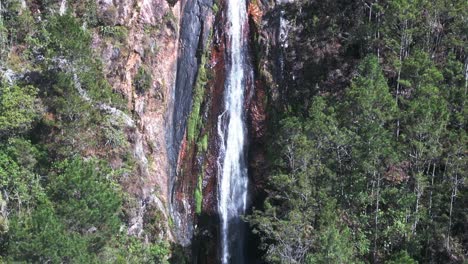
[(233, 179)]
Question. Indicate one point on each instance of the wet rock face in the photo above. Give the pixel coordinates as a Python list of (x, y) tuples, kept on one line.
[(196, 23), (205, 243), (257, 126)]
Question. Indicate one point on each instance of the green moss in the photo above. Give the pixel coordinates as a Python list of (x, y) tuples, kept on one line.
[(195, 122), (204, 143), (199, 194), (199, 92), (215, 8), (170, 222)]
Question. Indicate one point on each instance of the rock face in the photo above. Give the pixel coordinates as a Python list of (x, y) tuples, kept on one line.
[(165, 39), (149, 41), (195, 27), (196, 23), (206, 241)]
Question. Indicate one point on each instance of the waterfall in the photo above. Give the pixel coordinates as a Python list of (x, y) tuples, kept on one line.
[(233, 178)]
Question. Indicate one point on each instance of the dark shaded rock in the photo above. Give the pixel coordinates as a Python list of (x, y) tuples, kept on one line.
[(194, 31)]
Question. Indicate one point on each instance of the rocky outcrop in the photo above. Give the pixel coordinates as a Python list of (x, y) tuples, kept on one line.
[(168, 42), (145, 36), (165, 39)]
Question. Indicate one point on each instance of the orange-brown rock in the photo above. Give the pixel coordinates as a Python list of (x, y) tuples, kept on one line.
[(151, 43), (255, 13)]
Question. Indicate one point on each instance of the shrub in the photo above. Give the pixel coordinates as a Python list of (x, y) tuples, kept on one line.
[(18, 108), (86, 198), (143, 80), (64, 36), (120, 33)]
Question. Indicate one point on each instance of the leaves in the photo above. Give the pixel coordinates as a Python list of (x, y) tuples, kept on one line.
[(18, 108)]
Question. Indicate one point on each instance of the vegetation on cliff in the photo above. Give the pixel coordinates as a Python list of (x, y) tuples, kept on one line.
[(64, 152)]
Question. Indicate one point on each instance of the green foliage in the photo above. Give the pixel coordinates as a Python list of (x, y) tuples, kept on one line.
[(143, 80), (19, 185), (64, 36), (19, 22), (90, 76), (59, 203), (335, 243), (85, 196), (427, 112), (41, 237), (126, 249), (369, 96), (299, 185), (114, 136), (18, 108), (402, 258), (118, 32), (393, 193), (87, 10)]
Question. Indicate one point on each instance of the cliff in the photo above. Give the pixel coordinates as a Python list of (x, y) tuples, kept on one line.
[(150, 53), (166, 40)]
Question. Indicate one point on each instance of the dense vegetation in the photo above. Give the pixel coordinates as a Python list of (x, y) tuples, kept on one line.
[(61, 200), (367, 160)]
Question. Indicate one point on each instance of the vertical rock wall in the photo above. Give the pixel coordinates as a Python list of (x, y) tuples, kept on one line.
[(166, 39), (151, 46), (196, 23)]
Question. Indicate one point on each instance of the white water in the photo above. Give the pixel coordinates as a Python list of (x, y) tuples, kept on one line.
[(233, 179)]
